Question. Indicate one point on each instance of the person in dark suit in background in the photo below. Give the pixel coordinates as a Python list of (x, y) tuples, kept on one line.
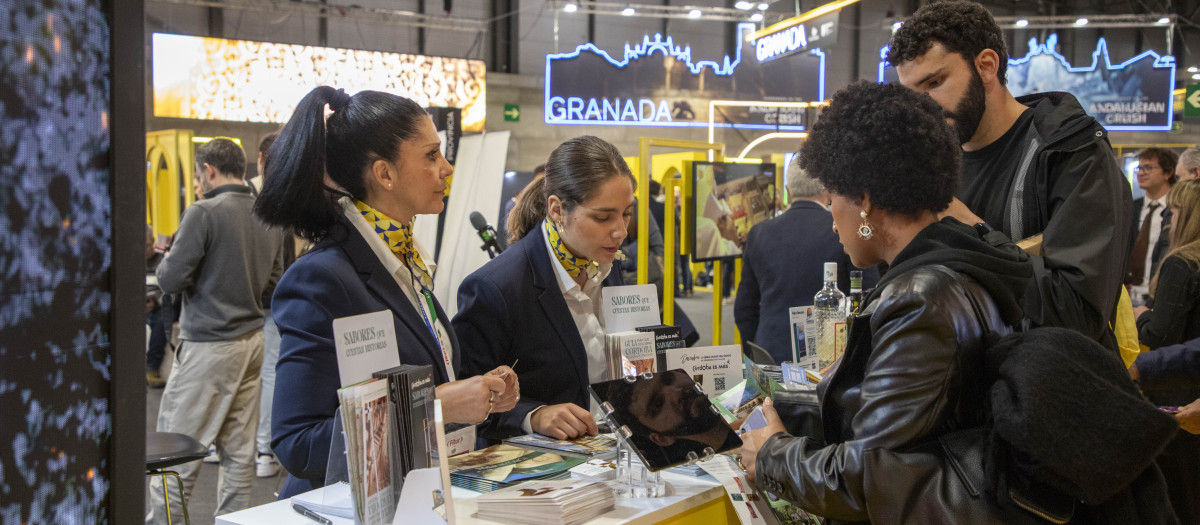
[(353, 184), (781, 266), (1156, 174), (539, 302)]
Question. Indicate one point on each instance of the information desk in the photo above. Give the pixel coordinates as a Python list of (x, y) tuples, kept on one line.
[(695, 500)]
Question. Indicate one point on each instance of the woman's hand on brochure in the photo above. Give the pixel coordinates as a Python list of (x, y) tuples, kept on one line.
[(563, 421), (512, 389), (470, 400), (1189, 417), (753, 440)]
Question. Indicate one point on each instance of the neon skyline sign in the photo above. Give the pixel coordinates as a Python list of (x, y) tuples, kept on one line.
[(589, 86), (1134, 95)]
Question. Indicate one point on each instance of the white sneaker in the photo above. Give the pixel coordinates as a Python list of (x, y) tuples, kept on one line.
[(213, 456), (267, 466)]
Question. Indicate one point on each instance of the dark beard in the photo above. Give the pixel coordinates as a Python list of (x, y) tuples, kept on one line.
[(692, 425), (969, 111)]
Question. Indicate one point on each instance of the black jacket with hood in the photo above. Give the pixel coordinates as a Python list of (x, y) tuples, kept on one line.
[(1069, 188)]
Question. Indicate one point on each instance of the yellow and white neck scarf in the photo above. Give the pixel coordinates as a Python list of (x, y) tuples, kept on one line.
[(399, 238), (574, 265)]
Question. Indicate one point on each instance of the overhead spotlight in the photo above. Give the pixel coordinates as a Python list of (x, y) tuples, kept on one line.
[(695, 13), (763, 6), (743, 5), (1193, 69), (1022, 23), (571, 7), (1164, 21), (1081, 22), (1196, 77), (756, 17), (628, 11)]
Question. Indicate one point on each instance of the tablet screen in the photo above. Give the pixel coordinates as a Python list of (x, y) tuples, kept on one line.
[(668, 417)]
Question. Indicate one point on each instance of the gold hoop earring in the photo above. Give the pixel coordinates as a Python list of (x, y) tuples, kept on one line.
[(865, 231)]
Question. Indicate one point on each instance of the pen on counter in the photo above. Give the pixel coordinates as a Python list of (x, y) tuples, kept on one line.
[(308, 513)]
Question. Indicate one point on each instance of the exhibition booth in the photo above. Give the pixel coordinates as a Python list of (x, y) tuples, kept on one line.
[(711, 122)]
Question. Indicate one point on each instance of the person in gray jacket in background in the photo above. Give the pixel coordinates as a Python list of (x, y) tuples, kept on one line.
[(222, 262)]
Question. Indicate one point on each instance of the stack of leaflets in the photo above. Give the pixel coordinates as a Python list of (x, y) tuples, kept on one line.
[(600, 447), (666, 337), (565, 502), (500, 466), (411, 392), (630, 353), (369, 432)]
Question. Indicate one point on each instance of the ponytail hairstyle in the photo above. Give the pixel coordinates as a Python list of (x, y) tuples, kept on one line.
[(575, 171), (363, 128)]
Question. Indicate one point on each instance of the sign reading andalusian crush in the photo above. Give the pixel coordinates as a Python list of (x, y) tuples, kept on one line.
[(660, 83), (789, 37), (1134, 95)]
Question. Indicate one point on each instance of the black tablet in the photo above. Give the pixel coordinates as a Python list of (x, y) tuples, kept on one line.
[(668, 419)]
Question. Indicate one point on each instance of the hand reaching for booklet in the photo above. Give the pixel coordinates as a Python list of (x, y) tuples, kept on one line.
[(563, 421)]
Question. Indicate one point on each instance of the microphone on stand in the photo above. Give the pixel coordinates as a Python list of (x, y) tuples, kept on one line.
[(491, 243)]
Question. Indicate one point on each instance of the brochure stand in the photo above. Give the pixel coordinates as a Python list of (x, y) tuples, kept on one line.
[(380, 469), (633, 479)]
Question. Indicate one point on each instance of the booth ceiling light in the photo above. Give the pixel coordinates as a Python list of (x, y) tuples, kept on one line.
[(717, 14), (1059, 22), (756, 17), (343, 12), (1193, 69), (763, 6), (743, 5), (571, 7), (1196, 76)]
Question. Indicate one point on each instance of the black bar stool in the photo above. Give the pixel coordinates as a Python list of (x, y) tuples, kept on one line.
[(167, 449)]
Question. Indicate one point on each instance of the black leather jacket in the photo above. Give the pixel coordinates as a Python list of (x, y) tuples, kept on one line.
[(911, 374)]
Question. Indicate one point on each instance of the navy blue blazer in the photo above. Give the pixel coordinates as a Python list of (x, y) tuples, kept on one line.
[(339, 277), (782, 266), (512, 308)]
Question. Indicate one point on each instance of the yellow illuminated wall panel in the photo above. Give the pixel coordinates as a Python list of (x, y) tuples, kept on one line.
[(244, 81)]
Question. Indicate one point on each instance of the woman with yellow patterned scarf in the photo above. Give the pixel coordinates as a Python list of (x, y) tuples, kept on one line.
[(353, 183), (539, 302)]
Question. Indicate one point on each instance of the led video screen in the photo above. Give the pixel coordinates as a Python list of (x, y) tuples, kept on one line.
[(729, 199), (245, 81)]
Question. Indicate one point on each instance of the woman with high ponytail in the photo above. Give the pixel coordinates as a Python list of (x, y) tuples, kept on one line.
[(539, 301), (353, 183)]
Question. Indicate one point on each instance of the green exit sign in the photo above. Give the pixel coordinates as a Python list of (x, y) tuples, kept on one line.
[(1191, 101), (512, 113)]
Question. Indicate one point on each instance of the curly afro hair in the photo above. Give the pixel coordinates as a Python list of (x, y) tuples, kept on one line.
[(886, 141), (965, 28)]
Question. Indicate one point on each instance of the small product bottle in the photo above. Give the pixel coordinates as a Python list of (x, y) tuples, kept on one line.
[(854, 301), (829, 308)]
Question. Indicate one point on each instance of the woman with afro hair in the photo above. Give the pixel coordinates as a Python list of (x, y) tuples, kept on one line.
[(913, 362)]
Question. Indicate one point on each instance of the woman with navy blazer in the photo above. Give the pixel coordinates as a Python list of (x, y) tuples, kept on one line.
[(383, 153), (538, 303)]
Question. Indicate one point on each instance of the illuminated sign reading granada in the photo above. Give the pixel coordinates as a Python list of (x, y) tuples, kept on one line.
[(786, 38), (658, 83)]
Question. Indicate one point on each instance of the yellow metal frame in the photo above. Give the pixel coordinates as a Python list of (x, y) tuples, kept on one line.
[(716, 151), (170, 165)]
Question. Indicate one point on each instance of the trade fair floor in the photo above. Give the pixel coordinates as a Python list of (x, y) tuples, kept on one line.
[(200, 507)]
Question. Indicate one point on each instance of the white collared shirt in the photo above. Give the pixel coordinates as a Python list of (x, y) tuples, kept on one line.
[(403, 275), (584, 304), (1154, 233)]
